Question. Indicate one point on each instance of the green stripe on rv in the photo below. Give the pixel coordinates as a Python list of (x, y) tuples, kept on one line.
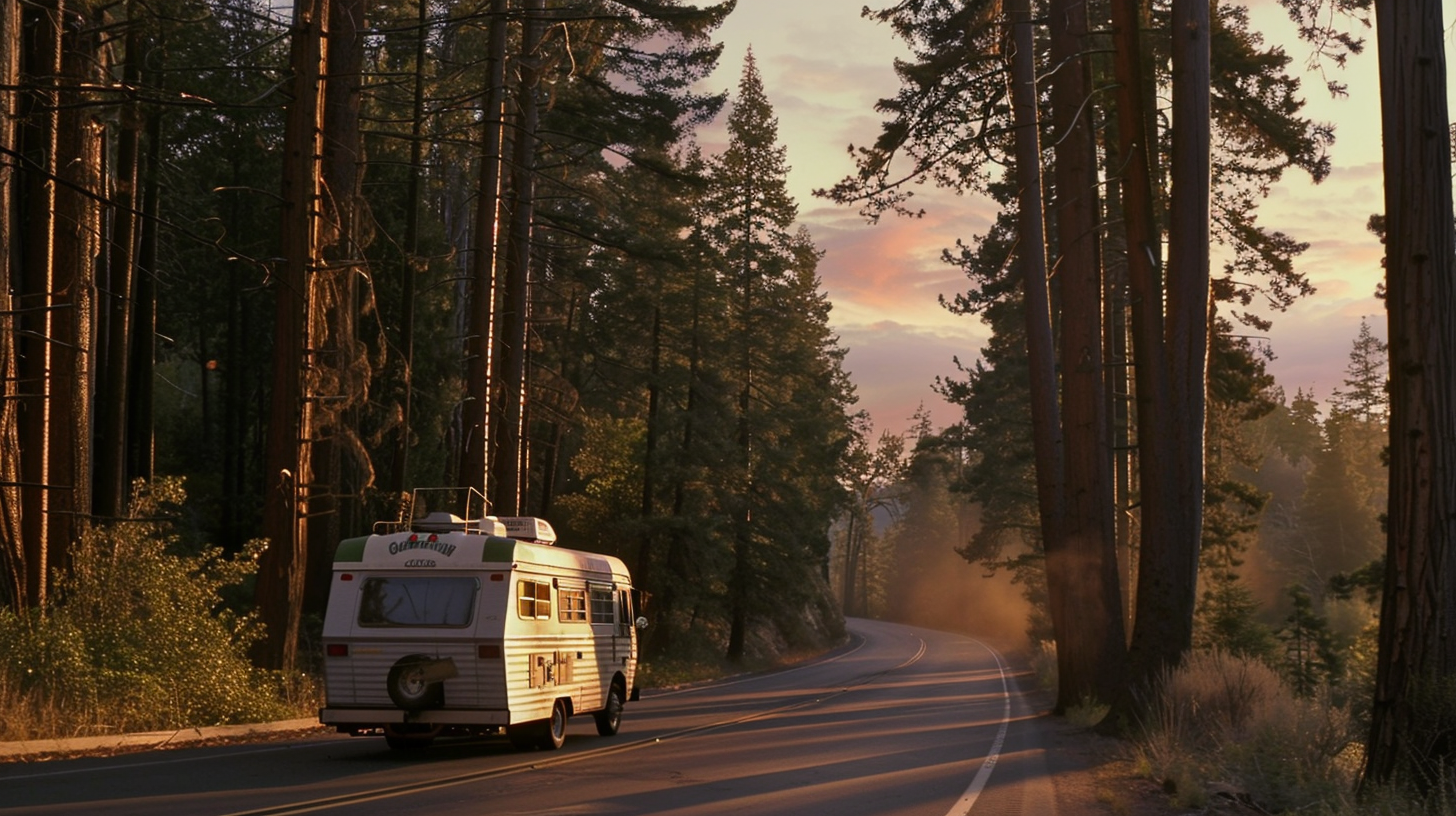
[(350, 549), (498, 550)]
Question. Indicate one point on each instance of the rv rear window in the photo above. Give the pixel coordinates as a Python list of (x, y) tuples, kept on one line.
[(417, 601)]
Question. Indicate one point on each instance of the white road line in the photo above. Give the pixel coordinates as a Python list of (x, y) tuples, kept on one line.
[(968, 799)]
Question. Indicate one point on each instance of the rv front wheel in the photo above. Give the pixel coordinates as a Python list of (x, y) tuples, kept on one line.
[(609, 719)]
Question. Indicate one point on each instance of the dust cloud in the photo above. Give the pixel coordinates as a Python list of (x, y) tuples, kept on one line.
[(951, 594)]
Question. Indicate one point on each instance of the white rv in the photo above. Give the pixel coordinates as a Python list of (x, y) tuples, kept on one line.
[(444, 625)]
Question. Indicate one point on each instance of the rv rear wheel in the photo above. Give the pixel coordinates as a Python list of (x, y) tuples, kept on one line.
[(407, 685), (609, 719), (555, 733), (547, 734)]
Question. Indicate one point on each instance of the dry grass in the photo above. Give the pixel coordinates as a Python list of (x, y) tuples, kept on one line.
[(1231, 724), (1116, 803)]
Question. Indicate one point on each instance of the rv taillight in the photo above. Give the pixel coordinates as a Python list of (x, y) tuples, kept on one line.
[(496, 576), (346, 576), (489, 652), (337, 650)]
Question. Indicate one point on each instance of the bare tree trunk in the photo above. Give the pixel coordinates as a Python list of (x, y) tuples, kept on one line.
[(287, 469), (739, 591), (510, 457), (1418, 614), (1116, 350), (140, 427), (1117, 356), (412, 265), (341, 370), (1173, 568), (77, 231), (1082, 580), (1046, 430), (476, 442), (112, 401), (1169, 351), (12, 552), (39, 125)]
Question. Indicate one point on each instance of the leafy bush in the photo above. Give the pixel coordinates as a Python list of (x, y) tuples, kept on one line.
[(136, 637)]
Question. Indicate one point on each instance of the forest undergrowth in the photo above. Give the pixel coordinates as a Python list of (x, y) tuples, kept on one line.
[(141, 634), (1230, 729)]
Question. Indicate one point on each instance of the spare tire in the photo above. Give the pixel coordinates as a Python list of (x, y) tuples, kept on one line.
[(408, 687)]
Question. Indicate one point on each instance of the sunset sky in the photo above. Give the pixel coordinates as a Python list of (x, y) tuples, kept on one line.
[(824, 67)]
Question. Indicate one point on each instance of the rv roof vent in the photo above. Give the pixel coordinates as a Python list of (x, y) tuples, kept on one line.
[(439, 522), (528, 528)]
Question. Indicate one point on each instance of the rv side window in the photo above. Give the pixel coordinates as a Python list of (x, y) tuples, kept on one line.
[(533, 600), (601, 605), (572, 606), (417, 601)]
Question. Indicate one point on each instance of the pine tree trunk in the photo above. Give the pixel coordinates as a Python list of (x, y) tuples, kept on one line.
[(341, 371), (12, 552), (77, 225), (1082, 580), (1418, 613), (1173, 570), (741, 573), (511, 455), (484, 268), (411, 264), (140, 427), (112, 401), (1169, 457), (39, 125), (1046, 430), (287, 469)]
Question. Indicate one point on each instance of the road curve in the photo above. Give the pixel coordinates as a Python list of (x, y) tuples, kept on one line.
[(899, 721)]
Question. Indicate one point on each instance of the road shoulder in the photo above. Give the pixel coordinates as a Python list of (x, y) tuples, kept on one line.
[(48, 749), (1094, 774)]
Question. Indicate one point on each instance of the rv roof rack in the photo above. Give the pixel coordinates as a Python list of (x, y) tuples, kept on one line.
[(461, 510)]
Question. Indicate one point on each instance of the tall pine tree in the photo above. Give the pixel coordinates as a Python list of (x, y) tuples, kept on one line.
[(783, 363)]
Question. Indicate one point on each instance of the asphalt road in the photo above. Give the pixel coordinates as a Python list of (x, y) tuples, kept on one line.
[(900, 721)]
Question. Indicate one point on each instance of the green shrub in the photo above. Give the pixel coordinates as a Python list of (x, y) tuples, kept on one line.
[(136, 637)]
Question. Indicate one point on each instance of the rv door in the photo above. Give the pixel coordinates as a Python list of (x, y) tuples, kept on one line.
[(625, 634)]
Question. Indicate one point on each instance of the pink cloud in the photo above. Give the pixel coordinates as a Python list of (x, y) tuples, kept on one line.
[(895, 264), (894, 367)]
